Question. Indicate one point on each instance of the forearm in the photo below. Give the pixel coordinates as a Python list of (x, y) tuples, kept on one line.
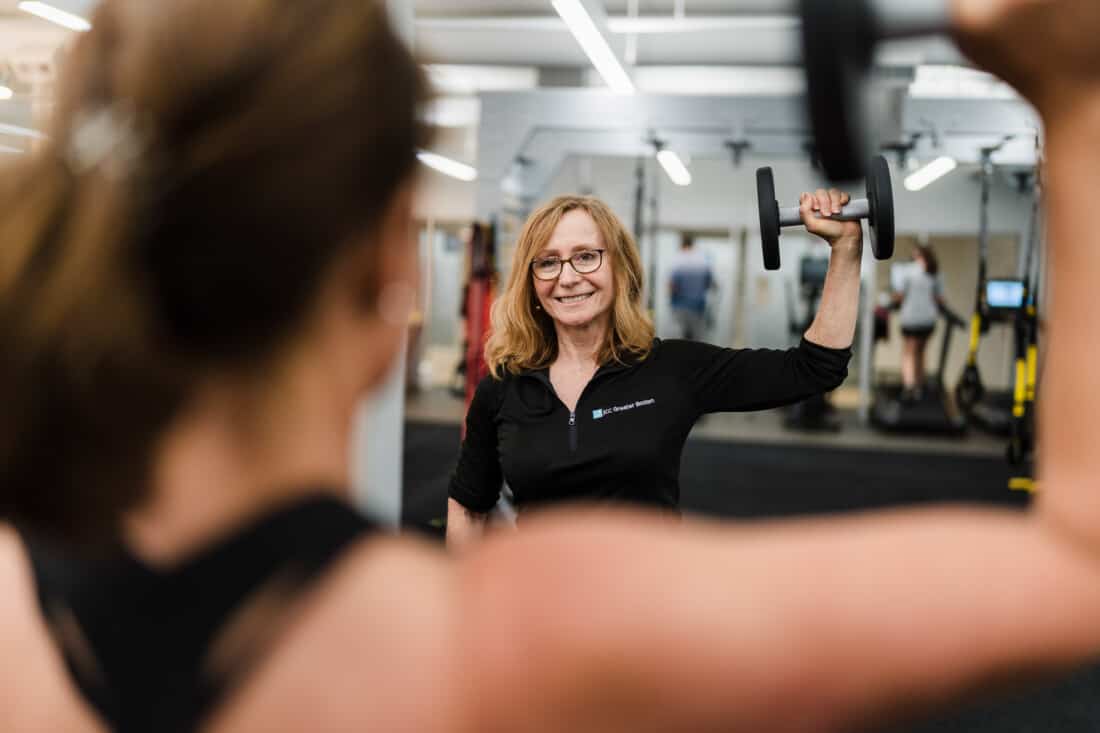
[(464, 528), (810, 625), (834, 325), (1069, 411)]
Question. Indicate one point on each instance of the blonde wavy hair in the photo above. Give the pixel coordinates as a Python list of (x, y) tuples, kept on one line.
[(523, 337)]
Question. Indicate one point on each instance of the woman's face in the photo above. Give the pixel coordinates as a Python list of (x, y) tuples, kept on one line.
[(575, 299)]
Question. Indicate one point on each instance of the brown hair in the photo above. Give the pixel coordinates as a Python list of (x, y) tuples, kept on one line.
[(524, 338), (270, 135), (931, 264)]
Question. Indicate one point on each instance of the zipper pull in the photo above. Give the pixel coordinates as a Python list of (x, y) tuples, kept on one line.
[(572, 419)]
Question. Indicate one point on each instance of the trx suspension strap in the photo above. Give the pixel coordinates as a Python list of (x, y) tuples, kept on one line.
[(1022, 440), (970, 390), (1023, 392)]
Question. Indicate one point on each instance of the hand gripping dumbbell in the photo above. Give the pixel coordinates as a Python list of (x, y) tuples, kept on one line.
[(877, 209)]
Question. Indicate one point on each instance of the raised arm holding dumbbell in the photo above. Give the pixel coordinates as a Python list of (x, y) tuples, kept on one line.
[(835, 217), (835, 323)]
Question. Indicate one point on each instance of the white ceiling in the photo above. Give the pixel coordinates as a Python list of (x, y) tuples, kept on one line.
[(693, 33), (519, 44), (473, 8)]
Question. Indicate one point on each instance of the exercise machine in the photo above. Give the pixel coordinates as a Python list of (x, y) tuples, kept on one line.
[(815, 413), (933, 412)]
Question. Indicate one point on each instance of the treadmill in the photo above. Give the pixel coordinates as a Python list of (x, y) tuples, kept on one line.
[(1004, 302), (934, 413)]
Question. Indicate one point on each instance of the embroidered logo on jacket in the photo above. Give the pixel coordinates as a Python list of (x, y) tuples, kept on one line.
[(607, 411)]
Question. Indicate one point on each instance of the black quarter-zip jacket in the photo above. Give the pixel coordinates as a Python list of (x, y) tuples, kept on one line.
[(624, 439)]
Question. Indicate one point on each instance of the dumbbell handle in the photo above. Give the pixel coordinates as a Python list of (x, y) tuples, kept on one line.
[(855, 210), (909, 18)]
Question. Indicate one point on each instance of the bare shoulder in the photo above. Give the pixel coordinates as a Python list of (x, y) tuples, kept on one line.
[(371, 650), (35, 692)]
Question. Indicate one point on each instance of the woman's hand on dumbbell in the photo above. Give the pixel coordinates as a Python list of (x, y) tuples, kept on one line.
[(817, 209)]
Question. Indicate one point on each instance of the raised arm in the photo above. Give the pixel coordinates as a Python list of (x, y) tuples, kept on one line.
[(731, 380), (823, 625), (834, 325), (1048, 51), (1069, 411), (829, 625)]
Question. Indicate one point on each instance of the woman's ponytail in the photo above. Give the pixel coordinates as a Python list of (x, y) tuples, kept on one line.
[(74, 347)]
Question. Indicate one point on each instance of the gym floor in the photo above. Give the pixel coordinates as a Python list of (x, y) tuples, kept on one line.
[(750, 467)]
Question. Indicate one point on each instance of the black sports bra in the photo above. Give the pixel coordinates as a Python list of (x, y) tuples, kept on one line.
[(156, 650)]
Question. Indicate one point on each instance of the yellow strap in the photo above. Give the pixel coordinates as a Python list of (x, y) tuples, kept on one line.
[(975, 335), (1023, 484), (1020, 389), (1032, 370)]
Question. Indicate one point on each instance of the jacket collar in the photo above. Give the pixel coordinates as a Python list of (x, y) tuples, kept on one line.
[(629, 362)]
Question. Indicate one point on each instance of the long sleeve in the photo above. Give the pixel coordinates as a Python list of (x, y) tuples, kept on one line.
[(741, 380), (477, 479)]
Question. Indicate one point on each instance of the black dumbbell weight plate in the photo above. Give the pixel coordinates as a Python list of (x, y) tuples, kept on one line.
[(837, 44), (769, 217), (880, 196)]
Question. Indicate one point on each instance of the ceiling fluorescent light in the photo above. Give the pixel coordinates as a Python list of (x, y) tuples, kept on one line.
[(594, 45), (935, 170), (665, 24), (17, 131), (449, 167), (55, 15), (6, 92), (674, 167)]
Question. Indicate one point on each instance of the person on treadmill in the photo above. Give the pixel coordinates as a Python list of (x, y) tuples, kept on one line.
[(919, 295)]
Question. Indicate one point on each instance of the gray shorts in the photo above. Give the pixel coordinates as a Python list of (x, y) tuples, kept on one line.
[(691, 323)]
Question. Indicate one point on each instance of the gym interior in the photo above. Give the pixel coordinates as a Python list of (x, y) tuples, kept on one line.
[(671, 129), (528, 116)]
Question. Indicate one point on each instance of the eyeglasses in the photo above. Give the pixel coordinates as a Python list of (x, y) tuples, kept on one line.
[(584, 263)]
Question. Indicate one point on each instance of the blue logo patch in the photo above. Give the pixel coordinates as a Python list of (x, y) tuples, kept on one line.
[(609, 411)]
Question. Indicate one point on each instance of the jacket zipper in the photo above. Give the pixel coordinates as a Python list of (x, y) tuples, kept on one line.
[(573, 413)]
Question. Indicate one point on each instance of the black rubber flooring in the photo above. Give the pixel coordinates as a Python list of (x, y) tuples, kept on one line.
[(752, 480), (755, 481)]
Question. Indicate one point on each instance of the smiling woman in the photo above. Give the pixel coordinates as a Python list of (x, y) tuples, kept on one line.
[(572, 345), (547, 296)]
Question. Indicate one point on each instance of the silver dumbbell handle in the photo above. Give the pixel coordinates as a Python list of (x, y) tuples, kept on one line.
[(855, 210), (908, 18)]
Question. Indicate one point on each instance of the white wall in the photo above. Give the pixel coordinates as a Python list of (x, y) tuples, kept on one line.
[(441, 197)]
